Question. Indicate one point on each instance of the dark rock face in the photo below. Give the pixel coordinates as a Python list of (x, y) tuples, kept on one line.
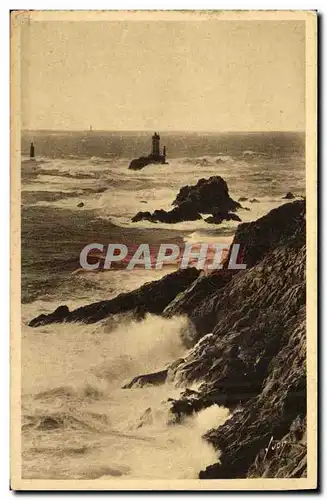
[(178, 214), (143, 161), (152, 298), (281, 226), (289, 196), (270, 414), (242, 199), (201, 289), (219, 217), (284, 225), (157, 378), (291, 448), (58, 316), (209, 196), (252, 354)]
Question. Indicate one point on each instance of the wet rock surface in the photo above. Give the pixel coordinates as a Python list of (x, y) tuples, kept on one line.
[(208, 196), (152, 298), (252, 354), (249, 351), (156, 378), (289, 196)]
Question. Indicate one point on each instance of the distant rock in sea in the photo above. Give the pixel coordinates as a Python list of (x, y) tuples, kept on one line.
[(289, 196), (143, 161), (208, 196), (219, 217)]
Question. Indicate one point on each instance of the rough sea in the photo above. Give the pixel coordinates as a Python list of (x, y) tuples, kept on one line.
[(77, 421)]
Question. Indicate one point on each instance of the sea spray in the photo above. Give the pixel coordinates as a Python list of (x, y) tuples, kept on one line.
[(81, 414)]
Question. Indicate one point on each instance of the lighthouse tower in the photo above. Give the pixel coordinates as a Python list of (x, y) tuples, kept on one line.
[(154, 157), (156, 145)]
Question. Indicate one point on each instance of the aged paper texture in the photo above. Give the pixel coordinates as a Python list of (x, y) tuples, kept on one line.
[(163, 292)]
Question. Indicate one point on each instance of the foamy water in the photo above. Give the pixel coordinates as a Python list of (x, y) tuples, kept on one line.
[(78, 422)]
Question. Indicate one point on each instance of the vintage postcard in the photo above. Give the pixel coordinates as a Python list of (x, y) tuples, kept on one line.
[(163, 296)]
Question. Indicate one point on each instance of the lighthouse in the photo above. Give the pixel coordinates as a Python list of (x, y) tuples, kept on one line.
[(156, 144), (32, 151), (154, 157)]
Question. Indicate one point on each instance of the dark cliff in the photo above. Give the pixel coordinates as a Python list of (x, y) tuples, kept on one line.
[(248, 330), (252, 354)]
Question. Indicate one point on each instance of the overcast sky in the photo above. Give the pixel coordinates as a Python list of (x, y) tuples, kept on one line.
[(163, 75)]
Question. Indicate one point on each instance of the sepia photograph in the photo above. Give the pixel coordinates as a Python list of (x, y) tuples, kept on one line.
[(163, 250)]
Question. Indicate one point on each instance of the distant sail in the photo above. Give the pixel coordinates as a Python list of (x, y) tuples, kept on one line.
[(90, 128), (32, 151)]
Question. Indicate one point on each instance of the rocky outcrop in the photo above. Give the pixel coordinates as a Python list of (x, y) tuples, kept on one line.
[(270, 414), (179, 214), (156, 378), (208, 196), (285, 457), (289, 196), (219, 217), (249, 351), (152, 298), (282, 226), (143, 161), (252, 354)]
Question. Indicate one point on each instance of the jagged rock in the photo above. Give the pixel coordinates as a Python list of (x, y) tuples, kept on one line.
[(251, 355), (280, 226), (243, 198), (208, 196), (254, 200), (286, 457), (289, 196), (139, 163), (58, 316), (179, 214), (219, 217), (80, 205), (156, 378), (143, 161), (199, 290), (271, 413), (143, 216), (152, 298)]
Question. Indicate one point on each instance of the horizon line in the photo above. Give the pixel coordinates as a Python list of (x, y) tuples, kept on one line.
[(165, 131)]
